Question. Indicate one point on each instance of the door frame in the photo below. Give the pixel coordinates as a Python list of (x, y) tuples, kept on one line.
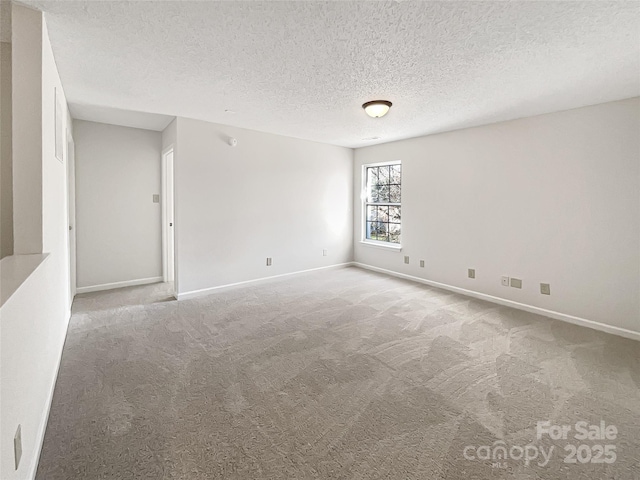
[(165, 214), (71, 216)]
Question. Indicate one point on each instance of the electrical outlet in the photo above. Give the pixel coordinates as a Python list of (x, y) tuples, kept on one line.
[(325, 252), (406, 259), (422, 263), (471, 272), (17, 446), (516, 283), (505, 281), (156, 198), (545, 289), (268, 261)]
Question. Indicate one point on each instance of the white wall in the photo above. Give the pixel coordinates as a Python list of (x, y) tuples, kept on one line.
[(118, 225), (270, 196), (55, 209), (34, 320), (26, 43), (6, 177), (31, 345), (553, 198)]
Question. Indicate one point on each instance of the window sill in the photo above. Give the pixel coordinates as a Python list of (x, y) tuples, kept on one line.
[(385, 246)]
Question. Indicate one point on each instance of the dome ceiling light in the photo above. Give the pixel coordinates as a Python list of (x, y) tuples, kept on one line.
[(377, 108)]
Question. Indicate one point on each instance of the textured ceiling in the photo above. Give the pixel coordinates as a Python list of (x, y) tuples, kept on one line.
[(304, 69)]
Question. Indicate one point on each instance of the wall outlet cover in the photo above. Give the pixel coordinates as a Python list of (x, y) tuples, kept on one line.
[(545, 289), (422, 263), (156, 198), (268, 261), (505, 281), (406, 259), (516, 283), (471, 272), (325, 252)]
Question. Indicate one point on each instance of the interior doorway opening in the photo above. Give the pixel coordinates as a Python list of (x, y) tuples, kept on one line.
[(168, 209), (71, 212)]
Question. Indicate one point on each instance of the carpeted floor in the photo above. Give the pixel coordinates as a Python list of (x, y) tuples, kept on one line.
[(336, 374)]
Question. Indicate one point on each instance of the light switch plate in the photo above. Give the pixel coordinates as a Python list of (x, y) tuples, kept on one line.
[(516, 283), (17, 446), (545, 289)]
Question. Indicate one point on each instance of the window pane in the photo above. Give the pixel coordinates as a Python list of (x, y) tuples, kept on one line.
[(394, 233), (383, 214), (394, 214), (375, 230), (394, 194), (382, 193), (383, 176), (395, 174), (370, 229), (379, 232), (373, 194), (372, 179), (372, 213), (372, 175)]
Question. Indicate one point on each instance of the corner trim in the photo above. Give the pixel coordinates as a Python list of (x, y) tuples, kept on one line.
[(583, 322), (206, 291), (111, 286)]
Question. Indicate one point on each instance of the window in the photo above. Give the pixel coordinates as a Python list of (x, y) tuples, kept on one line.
[(382, 203)]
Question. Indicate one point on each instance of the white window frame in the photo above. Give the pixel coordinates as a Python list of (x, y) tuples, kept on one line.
[(363, 207)]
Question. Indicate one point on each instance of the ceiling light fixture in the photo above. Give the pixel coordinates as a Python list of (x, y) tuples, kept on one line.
[(377, 108)]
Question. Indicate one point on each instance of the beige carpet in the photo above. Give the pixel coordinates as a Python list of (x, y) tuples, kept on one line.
[(336, 374)]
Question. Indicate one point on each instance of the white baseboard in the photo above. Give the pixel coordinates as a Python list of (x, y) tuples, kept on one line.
[(111, 286), (583, 322), (207, 291)]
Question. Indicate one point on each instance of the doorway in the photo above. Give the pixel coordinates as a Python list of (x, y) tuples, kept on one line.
[(71, 220), (168, 236)]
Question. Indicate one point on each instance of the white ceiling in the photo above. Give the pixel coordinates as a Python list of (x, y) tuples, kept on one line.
[(303, 69)]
